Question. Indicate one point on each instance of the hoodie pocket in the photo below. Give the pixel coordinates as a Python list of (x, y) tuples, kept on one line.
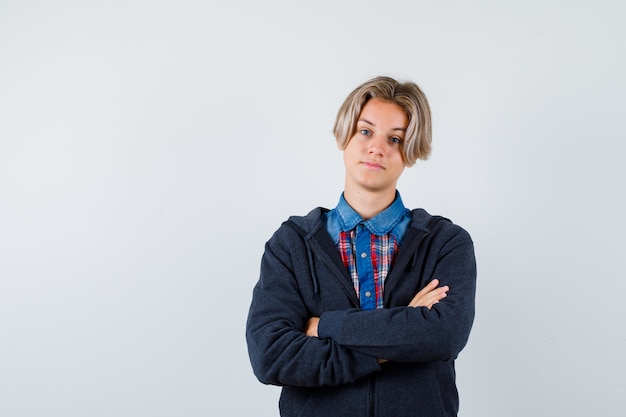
[(347, 400), (410, 389)]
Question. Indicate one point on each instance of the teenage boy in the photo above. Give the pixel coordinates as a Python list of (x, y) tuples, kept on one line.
[(362, 310)]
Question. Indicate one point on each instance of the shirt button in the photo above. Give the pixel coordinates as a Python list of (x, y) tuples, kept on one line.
[(364, 255), (368, 294)]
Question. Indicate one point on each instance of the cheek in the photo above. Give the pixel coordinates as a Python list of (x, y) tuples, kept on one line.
[(351, 150), (399, 165), (347, 157), (397, 158)]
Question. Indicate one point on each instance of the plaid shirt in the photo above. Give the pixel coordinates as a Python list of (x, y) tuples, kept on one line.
[(367, 247)]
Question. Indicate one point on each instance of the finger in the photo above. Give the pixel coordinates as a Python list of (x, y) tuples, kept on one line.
[(437, 291), (427, 294), (437, 296), (433, 283), (429, 298), (429, 287)]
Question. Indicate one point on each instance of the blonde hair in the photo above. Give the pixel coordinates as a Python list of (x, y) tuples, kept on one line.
[(408, 96)]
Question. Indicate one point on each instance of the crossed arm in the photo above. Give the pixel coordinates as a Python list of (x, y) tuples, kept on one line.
[(427, 297), (289, 347)]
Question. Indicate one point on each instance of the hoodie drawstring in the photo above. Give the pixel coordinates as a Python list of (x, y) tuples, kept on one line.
[(316, 285), (309, 254)]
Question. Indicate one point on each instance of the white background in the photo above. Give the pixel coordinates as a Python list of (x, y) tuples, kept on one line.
[(149, 149)]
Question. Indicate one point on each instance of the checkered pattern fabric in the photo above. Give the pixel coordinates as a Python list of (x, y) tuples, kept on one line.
[(382, 249)]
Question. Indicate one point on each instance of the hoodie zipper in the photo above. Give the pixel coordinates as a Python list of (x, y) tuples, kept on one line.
[(372, 395)]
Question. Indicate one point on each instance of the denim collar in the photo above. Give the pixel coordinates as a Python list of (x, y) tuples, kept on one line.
[(381, 224)]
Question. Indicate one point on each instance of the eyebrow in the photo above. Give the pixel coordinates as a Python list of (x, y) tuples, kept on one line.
[(361, 119)]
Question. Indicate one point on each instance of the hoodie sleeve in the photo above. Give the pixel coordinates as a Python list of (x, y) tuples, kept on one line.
[(279, 350), (407, 334)]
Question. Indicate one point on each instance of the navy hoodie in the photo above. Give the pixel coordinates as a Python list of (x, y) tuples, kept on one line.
[(338, 373)]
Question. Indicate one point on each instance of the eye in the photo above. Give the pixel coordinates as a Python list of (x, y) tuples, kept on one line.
[(365, 132), (395, 140)]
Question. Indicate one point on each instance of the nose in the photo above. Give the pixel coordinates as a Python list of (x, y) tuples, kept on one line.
[(377, 145)]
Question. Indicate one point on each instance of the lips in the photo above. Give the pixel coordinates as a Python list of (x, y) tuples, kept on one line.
[(373, 165)]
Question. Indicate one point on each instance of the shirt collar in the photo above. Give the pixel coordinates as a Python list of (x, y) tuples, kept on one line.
[(381, 224)]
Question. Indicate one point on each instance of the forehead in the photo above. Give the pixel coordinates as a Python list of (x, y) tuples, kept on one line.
[(380, 111)]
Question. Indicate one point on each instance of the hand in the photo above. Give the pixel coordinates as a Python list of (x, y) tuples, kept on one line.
[(429, 295), (311, 327)]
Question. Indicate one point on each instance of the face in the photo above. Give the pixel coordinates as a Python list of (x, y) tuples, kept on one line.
[(373, 157)]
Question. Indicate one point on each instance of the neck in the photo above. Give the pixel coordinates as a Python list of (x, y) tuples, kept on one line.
[(369, 204)]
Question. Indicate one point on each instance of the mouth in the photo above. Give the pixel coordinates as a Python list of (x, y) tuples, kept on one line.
[(373, 165)]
